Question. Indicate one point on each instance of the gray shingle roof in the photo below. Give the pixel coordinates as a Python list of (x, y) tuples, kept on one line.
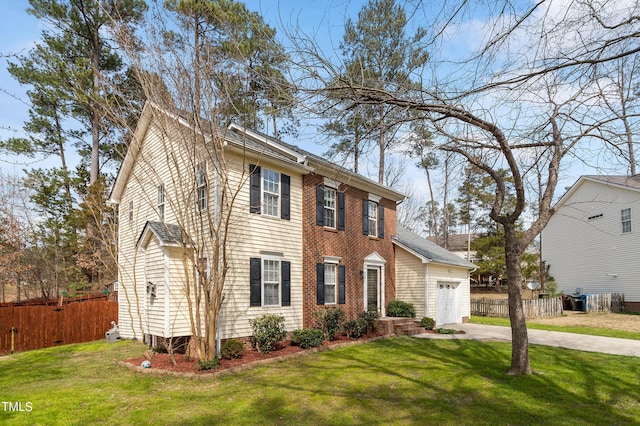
[(628, 181), (429, 250), (167, 234)]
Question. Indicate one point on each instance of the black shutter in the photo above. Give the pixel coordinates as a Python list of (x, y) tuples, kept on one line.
[(255, 282), (285, 201), (365, 217), (341, 285), (380, 221), (340, 211), (254, 188), (320, 205), (320, 283), (286, 283)]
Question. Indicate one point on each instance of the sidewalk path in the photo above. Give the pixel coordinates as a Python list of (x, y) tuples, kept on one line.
[(581, 342)]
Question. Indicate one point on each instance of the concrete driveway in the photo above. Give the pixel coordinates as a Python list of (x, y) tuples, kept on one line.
[(581, 342)]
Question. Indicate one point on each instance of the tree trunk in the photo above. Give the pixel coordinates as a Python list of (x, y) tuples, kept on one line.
[(519, 335)]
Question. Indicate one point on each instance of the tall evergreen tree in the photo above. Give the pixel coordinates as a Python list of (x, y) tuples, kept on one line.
[(378, 53)]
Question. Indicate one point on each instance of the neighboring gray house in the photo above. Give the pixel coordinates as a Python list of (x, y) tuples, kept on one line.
[(592, 241), (431, 278)]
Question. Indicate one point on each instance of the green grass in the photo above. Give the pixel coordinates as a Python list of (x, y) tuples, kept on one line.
[(594, 331), (389, 381)]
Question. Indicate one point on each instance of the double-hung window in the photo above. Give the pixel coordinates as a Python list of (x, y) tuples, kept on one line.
[(270, 192), (330, 282), (329, 207), (160, 204), (269, 281), (330, 279), (201, 182), (373, 218), (625, 216)]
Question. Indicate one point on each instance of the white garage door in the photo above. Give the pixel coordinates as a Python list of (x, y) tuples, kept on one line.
[(448, 300)]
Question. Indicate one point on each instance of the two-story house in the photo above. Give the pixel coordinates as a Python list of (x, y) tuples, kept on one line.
[(591, 242), (303, 233)]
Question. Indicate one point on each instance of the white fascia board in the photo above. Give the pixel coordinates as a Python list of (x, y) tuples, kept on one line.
[(299, 158)]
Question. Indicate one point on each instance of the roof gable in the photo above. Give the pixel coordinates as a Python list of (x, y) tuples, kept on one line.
[(631, 183), (168, 235)]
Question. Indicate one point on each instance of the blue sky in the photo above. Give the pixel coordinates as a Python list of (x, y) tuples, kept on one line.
[(322, 19)]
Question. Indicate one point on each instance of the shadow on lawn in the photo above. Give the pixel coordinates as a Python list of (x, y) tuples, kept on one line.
[(455, 381)]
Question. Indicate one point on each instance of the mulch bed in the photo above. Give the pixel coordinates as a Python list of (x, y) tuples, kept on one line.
[(161, 364)]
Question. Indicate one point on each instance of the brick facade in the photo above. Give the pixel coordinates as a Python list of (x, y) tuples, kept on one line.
[(350, 245)]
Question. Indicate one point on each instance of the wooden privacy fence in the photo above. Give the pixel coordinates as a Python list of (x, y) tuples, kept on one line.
[(35, 327), (609, 302), (532, 308)]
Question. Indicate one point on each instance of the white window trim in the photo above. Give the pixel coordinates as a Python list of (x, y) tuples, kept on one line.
[(130, 214), (201, 172), (331, 183), (161, 202), (623, 221), (334, 284), (263, 191), (375, 198), (373, 230), (335, 208), (277, 259)]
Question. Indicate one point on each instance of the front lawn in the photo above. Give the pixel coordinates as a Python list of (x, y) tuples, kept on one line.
[(389, 381)]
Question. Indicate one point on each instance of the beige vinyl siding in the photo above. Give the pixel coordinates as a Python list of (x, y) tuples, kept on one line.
[(437, 273), (585, 253), (154, 272), (254, 235), (410, 280), (251, 236)]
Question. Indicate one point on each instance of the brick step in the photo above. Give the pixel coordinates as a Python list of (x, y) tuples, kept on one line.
[(399, 326)]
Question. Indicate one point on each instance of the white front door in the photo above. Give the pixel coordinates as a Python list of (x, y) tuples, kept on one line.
[(448, 304)]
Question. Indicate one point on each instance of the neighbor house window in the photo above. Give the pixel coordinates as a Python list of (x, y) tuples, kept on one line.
[(625, 215), (201, 181), (329, 207), (161, 201), (269, 281)]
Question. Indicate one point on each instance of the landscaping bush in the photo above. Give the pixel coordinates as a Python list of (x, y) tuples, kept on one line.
[(398, 308), (268, 330), (427, 323), (353, 328), (446, 330), (307, 338), (367, 320), (329, 321), (208, 364), (232, 349)]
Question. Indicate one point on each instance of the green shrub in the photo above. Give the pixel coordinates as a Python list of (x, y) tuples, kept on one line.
[(353, 328), (307, 338), (268, 330), (329, 321), (398, 308), (212, 364), (367, 320), (427, 323), (232, 349), (445, 330)]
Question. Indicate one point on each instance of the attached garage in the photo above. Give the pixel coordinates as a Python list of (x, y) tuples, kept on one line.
[(434, 280)]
